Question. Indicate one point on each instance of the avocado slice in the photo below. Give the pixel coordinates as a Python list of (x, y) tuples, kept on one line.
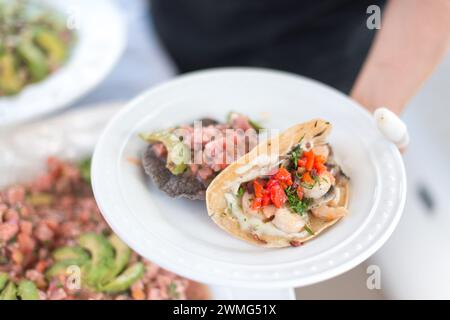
[(10, 82), (102, 258), (178, 154), (126, 279), (85, 169), (34, 59), (122, 256), (76, 253), (10, 292), (52, 45), (60, 268), (27, 290), (3, 280)]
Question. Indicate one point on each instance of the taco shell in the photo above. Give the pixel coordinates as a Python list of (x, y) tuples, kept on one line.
[(250, 165)]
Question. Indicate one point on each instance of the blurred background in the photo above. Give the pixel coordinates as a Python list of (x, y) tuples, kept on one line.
[(415, 261)]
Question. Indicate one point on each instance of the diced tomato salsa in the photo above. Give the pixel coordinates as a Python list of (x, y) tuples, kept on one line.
[(274, 189)]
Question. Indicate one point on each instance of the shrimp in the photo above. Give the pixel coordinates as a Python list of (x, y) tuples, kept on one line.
[(329, 213), (322, 150), (287, 221), (321, 187), (269, 211)]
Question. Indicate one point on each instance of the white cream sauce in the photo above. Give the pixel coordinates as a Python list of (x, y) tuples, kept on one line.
[(254, 224)]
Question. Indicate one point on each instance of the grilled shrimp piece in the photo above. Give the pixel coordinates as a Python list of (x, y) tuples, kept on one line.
[(322, 150), (287, 221), (321, 187), (266, 212), (329, 213), (269, 211)]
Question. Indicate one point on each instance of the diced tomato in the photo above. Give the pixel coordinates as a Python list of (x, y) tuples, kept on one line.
[(277, 195), (306, 178), (319, 159), (259, 189), (300, 192), (266, 199), (257, 203), (320, 167), (283, 176), (319, 164), (271, 183), (309, 156), (301, 162)]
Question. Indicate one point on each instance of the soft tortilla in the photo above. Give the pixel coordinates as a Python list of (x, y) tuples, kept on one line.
[(315, 131)]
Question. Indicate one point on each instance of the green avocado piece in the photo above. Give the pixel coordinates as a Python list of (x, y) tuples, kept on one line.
[(27, 290), (121, 259), (178, 154), (85, 169), (34, 59), (10, 81), (60, 268), (10, 292), (52, 45), (3, 280), (76, 253), (126, 279), (102, 258)]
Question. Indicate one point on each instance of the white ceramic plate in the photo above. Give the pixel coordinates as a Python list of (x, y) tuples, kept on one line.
[(178, 234), (72, 136), (100, 42)]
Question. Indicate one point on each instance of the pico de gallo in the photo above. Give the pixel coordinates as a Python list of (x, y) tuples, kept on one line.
[(302, 184)]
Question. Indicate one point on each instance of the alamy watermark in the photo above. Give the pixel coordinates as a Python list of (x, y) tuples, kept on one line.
[(216, 146), (374, 19), (373, 281), (73, 21), (73, 279)]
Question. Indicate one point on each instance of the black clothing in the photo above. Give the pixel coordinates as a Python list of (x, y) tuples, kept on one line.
[(323, 39)]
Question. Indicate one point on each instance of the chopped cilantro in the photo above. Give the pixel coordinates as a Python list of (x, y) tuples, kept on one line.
[(295, 155), (307, 186), (297, 205), (240, 192)]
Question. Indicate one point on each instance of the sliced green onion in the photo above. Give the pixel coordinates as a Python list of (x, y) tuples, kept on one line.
[(308, 229)]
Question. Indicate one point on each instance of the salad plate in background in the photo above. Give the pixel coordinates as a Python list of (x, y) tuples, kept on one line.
[(42, 85), (179, 235)]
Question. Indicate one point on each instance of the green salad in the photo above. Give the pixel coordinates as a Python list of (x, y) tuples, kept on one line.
[(34, 42)]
